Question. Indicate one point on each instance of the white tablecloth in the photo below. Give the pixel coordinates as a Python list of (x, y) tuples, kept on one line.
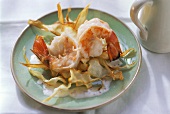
[(150, 93)]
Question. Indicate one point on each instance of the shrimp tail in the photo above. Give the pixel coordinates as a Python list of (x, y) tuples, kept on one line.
[(40, 50), (113, 47)]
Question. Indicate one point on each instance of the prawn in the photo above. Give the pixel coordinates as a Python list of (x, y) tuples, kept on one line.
[(64, 58), (89, 35)]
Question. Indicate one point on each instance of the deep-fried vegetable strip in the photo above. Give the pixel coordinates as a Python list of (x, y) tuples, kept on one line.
[(35, 65), (60, 91), (60, 14), (24, 55), (131, 52), (81, 17), (38, 24), (81, 78), (67, 16)]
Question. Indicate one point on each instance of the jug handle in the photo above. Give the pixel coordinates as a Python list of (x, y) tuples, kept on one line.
[(134, 11)]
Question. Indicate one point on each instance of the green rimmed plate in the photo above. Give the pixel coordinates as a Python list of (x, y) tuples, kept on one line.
[(28, 84)]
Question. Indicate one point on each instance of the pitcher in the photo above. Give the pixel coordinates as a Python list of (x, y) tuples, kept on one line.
[(153, 24)]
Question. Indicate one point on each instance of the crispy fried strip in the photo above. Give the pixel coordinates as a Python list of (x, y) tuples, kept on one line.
[(24, 55), (60, 14), (67, 16), (35, 65), (118, 75), (53, 81), (103, 62), (81, 78), (131, 52), (37, 74), (81, 17), (60, 91), (128, 66), (38, 24)]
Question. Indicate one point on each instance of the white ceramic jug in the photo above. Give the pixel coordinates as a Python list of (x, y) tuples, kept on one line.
[(152, 17)]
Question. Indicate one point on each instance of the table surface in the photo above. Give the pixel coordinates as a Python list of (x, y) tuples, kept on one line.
[(150, 93)]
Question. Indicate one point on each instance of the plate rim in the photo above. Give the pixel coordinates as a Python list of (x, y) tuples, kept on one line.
[(85, 108)]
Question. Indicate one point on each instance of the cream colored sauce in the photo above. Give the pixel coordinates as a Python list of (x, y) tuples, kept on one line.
[(48, 90), (34, 59), (81, 92)]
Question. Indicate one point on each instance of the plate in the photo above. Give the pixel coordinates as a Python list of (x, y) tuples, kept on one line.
[(28, 84)]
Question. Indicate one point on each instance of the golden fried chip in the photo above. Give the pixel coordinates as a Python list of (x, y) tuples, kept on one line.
[(60, 14), (81, 17), (81, 78), (38, 24), (60, 91), (35, 65), (54, 81)]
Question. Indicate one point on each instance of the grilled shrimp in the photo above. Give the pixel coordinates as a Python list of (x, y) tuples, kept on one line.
[(89, 35), (62, 54)]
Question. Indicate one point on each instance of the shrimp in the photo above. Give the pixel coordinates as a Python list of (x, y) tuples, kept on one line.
[(89, 35), (57, 57)]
